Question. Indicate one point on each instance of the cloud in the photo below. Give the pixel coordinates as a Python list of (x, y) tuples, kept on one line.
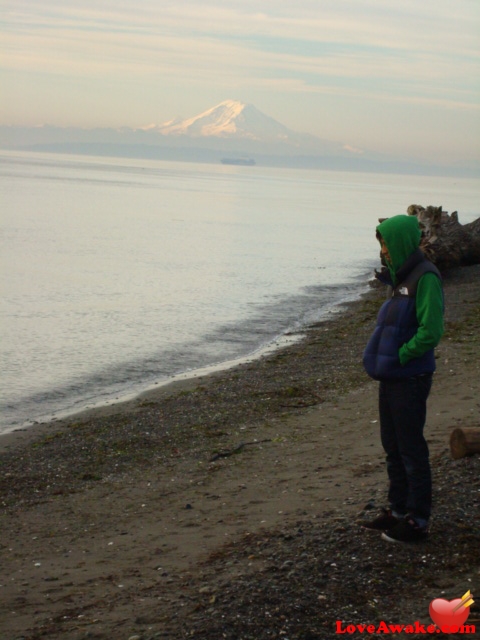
[(93, 37), (421, 54), (357, 25)]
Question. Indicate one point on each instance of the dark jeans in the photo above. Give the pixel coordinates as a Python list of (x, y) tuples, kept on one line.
[(403, 411)]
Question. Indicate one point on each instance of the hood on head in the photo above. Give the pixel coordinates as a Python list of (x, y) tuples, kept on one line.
[(401, 235)]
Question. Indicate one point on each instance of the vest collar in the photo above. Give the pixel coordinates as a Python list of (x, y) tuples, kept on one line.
[(410, 263)]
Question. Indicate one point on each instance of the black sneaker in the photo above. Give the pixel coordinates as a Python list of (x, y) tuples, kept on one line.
[(386, 520), (406, 530)]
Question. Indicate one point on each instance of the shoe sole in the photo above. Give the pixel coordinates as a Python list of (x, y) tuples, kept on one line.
[(378, 529), (395, 541)]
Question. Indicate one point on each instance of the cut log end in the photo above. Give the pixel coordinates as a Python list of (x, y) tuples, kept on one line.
[(464, 442)]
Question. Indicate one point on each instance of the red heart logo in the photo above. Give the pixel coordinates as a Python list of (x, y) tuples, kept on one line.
[(443, 614)]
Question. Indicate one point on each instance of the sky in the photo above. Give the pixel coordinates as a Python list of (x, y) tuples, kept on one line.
[(398, 76)]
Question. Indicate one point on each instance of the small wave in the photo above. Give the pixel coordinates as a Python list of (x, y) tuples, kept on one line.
[(221, 345)]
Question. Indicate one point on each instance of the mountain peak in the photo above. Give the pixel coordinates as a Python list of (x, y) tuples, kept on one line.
[(234, 105), (229, 119)]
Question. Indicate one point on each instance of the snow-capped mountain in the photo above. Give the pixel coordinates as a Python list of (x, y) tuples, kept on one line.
[(229, 127), (232, 119), (230, 130)]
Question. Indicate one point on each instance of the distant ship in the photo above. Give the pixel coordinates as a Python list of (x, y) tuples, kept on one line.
[(246, 162)]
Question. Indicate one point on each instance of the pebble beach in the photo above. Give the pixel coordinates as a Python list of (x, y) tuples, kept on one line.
[(227, 505)]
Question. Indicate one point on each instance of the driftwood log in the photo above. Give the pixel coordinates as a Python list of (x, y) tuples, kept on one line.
[(464, 442), (445, 241)]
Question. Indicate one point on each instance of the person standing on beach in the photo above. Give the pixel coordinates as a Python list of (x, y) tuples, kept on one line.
[(400, 355)]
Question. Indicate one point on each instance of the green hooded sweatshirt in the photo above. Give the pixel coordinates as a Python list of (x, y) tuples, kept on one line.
[(401, 235)]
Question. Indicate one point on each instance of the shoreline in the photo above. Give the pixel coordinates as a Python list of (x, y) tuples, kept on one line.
[(167, 386), (278, 359), (193, 512), (181, 381)]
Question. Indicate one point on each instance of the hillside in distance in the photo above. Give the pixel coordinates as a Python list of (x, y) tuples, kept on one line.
[(229, 126), (230, 129), (236, 121)]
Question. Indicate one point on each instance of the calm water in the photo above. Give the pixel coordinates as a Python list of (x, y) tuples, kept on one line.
[(117, 273)]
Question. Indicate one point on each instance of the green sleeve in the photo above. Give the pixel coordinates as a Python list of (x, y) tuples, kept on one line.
[(429, 306)]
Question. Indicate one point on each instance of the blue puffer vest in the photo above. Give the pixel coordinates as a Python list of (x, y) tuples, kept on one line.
[(397, 324)]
